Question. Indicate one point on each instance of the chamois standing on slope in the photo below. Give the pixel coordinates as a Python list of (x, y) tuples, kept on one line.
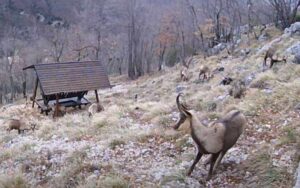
[(216, 138), (269, 54), (184, 74), (205, 72), (19, 126), (238, 89)]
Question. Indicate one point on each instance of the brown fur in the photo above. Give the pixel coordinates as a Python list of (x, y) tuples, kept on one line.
[(205, 71), (215, 139), (61, 112), (184, 74), (270, 54), (14, 124), (237, 89)]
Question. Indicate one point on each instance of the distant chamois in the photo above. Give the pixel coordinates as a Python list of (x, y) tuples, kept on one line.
[(95, 108), (269, 54), (184, 74), (205, 72), (238, 89), (14, 124), (216, 138)]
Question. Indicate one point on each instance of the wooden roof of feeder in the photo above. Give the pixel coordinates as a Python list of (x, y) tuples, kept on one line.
[(70, 77)]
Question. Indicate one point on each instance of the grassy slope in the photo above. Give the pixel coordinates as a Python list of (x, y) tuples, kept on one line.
[(129, 146)]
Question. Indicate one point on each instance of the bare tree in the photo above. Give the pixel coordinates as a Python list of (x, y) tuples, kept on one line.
[(58, 43), (286, 11)]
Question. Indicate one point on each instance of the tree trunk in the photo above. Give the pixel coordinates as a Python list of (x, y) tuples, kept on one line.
[(161, 59), (131, 71)]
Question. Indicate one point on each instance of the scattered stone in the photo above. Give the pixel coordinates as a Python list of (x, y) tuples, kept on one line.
[(180, 88), (245, 52), (297, 59), (248, 79), (264, 37)]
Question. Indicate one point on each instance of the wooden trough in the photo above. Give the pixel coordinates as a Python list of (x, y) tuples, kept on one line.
[(65, 84)]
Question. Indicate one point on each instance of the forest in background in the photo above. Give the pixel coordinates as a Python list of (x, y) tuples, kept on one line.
[(133, 37)]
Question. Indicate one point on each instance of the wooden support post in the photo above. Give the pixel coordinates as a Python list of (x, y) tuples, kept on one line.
[(56, 106), (34, 91), (97, 97)]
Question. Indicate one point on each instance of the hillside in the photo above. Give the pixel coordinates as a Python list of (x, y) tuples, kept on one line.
[(132, 143)]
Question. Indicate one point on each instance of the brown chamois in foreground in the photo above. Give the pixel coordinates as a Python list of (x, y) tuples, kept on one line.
[(216, 138), (205, 71), (95, 108), (184, 74), (18, 125), (269, 54)]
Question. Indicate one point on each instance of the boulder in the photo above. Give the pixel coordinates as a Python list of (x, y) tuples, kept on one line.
[(180, 88), (294, 49), (293, 29), (264, 37)]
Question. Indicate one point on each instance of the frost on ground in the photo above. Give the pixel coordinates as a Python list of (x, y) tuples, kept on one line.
[(132, 143)]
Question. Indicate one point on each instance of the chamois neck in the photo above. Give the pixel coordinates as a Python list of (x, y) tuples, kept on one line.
[(195, 123)]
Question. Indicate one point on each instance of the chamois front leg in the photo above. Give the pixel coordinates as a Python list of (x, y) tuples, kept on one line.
[(207, 161), (212, 163), (198, 157), (219, 160)]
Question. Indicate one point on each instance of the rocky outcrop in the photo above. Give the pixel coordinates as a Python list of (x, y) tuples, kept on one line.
[(294, 29)]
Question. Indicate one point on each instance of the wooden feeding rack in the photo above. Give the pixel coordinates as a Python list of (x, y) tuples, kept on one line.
[(66, 84)]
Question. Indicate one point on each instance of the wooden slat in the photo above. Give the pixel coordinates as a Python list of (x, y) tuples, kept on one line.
[(71, 77)]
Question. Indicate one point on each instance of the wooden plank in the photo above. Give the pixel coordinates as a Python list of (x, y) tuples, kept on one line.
[(97, 97), (34, 91)]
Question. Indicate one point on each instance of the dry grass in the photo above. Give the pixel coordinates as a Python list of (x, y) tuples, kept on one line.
[(175, 177), (264, 80), (113, 181), (13, 182), (260, 164), (113, 144), (150, 117)]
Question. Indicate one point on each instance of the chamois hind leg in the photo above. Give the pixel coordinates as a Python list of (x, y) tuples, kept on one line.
[(272, 63), (212, 163), (198, 157), (219, 160)]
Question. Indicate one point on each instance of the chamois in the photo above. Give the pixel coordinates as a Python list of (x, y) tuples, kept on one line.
[(205, 71), (216, 138), (18, 125), (184, 74), (95, 108), (269, 54), (237, 89)]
